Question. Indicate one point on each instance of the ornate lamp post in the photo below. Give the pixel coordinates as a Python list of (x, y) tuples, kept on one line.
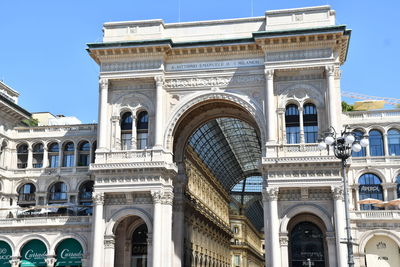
[(343, 145)]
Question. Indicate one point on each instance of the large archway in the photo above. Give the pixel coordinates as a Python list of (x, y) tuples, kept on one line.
[(218, 146), (382, 251)]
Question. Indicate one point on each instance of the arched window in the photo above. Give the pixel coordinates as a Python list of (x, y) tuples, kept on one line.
[(68, 156), (142, 127), (126, 131), (139, 246), (38, 155), (2, 153), (292, 124), (310, 121), (398, 186), (54, 151), (26, 195), (394, 142), (58, 193), (85, 198), (84, 154), (362, 153), (375, 143), (22, 155), (370, 187)]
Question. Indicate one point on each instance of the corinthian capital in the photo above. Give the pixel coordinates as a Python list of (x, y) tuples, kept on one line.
[(98, 198), (159, 80), (330, 70), (103, 83), (337, 192), (269, 73), (270, 193), (157, 195)]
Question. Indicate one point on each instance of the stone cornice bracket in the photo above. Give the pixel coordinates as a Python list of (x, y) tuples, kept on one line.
[(270, 193), (157, 196), (98, 198), (269, 73), (159, 80), (337, 192), (103, 83)]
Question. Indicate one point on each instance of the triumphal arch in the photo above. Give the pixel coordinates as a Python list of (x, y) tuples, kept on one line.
[(207, 143)]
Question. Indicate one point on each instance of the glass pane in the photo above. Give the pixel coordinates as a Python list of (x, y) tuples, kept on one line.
[(394, 142), (375, 143)]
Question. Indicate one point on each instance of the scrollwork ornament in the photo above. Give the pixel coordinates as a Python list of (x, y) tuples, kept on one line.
[(98, 198)]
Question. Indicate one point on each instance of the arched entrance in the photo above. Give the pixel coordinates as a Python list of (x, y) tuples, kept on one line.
[(69, 253), (307, 245), (217, 143), (382, 251), (131, 243), (34, 253)]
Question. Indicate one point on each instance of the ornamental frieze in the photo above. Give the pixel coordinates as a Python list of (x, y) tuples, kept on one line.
[(131, 65), (215, 81)]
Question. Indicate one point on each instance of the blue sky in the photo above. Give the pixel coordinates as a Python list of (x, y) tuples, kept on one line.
[(42, 44)]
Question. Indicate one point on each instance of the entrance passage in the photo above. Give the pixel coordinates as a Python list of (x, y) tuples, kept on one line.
[(306, 246), (382, 251), (139, 247), (69, 253)]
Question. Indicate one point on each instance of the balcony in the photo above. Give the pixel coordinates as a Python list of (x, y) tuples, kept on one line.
[(375, 215), (45, 221), (362, 117)]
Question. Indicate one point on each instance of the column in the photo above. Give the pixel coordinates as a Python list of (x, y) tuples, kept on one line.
[(150, 249), (15, 261), (331, 90), (340, 225), (270, 199), (167, 229), (116, 136), (103, 102), (85, 262), (301, 125), (159, 110), (178, 222), (284, 242), (270, 108), (45, 161), (30, 157), (60, 154), (98, 230), (357, 189), (157, 227), (331, 244), (134, 133), (385, 146), (75, 155), (109, 248), (282, 123)]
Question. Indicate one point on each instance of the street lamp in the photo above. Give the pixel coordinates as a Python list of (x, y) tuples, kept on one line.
[(343, 145)]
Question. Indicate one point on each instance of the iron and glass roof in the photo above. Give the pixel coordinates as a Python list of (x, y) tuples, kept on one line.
[(231, 150)]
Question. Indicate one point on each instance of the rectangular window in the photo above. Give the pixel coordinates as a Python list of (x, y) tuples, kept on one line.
[(237, 261), (142, 140), (53, 159), (83, 160), (68, 160), (293, 134), (310, 134)]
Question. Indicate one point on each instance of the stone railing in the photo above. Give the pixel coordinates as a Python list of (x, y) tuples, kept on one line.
[(290, 150), (371, 115), (146, 155), (375, 215), (51, 171), (43, 221), (58, 128)]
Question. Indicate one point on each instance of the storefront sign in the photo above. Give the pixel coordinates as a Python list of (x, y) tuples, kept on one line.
[(5, 254), (34, 253), (69, 252), (370, 188)]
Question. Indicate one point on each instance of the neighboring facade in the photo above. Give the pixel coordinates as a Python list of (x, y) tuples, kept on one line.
[(205, 154)]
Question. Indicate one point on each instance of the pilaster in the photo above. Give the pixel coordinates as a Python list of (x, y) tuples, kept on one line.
[(103, 111)]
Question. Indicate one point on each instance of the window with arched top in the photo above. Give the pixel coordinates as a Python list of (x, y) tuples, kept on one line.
[(37, 155), (85, 198), (53, 154), (26, 195), (94, 147), (2, 153), (310, 122), (358, 135), (370, 187), (84, 154), (126, 131), (292, 120), (142, 128), (68, 154), (375, 143), (394, 142), (57, 192), (22, 156)]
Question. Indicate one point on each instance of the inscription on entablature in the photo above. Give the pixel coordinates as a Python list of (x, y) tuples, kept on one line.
[(215, 81), (130, 65), (236, 63)]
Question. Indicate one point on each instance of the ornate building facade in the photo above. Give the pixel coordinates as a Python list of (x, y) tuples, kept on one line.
[(205, 154)]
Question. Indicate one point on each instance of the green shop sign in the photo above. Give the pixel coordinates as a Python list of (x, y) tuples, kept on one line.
[(34, 253), (5, 254), (69, 252)]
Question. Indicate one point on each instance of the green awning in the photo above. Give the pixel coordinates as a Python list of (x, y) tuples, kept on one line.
[(34, 253), (5, 254), (69, 252)]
